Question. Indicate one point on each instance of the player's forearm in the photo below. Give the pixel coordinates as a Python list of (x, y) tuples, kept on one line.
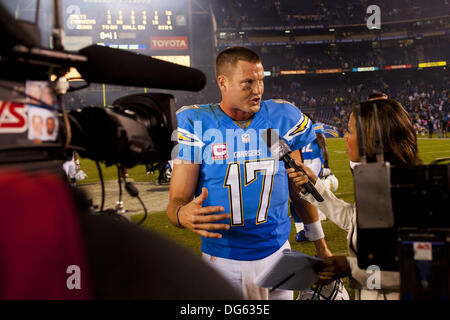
[(326, 163), (325, 157), (182, 188), (310, 217), (323, 145), (172, 209), (306, 212)]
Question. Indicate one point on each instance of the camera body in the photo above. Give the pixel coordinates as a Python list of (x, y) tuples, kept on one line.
[(135, 130), (35, 128), (403, 219), (415, 237), (20, 146)]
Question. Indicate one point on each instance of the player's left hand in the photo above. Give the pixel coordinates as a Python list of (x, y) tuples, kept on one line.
[(331, 268)]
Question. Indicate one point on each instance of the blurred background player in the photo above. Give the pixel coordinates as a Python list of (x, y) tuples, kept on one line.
[(73, 170), (315, 156), (164, 171)]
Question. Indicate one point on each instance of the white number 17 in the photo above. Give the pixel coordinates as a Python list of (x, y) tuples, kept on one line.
[(233, 183)]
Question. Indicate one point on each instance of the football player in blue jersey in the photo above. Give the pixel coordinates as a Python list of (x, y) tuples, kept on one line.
[(315, 156), (226, 185)]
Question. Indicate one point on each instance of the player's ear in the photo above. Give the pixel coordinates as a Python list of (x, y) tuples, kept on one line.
[(222, 81)]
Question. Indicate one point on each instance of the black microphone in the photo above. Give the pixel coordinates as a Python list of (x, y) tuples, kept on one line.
[(120, 67), (280, 149)]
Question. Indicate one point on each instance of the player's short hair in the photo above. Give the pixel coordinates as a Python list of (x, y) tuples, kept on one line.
[(378, 95), (230, 56)]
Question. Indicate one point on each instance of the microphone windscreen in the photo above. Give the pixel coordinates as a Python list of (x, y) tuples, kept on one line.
[(120, 67), (278, 148)]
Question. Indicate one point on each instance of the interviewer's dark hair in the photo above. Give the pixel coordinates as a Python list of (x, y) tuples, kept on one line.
[(230, 56), (397, 132)]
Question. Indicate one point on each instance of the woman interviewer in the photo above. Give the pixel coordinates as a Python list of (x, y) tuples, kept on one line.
[(400, 149)]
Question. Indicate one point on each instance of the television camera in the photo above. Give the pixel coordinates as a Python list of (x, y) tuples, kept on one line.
[(403, 219), (37, 133)]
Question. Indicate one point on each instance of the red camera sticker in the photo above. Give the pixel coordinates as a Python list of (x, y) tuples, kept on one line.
[(13, 117)]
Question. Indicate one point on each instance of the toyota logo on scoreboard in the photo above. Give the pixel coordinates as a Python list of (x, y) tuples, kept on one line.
[(169, 43)]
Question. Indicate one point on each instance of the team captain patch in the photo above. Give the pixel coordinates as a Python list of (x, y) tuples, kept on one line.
[(219, 151)]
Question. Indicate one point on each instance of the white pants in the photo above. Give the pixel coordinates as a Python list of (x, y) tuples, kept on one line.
[(314, 164), (241, 274)]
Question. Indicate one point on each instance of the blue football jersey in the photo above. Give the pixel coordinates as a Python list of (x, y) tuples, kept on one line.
[(312, 150), (241, 174)]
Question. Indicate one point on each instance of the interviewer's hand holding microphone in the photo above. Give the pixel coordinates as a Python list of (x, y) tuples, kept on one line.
[(330, 268), (299, 178)]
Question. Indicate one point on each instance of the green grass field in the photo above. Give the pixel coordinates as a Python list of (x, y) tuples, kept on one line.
[(429, 150)]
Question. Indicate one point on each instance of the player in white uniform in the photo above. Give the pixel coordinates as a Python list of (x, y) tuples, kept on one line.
[(73, 170)]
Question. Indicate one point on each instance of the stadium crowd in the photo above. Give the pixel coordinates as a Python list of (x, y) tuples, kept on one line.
[(424, 93), (354, 55), (251, 13), (329, 98)]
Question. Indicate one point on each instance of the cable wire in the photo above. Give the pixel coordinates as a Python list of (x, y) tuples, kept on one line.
[(102, 184), (145, 211)]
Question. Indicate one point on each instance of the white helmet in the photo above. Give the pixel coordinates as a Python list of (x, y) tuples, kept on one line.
[(333, 291), (168, 173), (331, 182), (80, 175)]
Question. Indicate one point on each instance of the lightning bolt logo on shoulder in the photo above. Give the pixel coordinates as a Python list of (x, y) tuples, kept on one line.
[(300, 127), (188, 138)]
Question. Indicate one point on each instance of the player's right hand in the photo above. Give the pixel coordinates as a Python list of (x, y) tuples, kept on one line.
[(202, 220)]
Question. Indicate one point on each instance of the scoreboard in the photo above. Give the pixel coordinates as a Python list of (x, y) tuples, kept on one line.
[(152, 27)]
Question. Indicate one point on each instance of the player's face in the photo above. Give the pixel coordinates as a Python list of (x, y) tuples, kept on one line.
[(242, 90), (351, 140)]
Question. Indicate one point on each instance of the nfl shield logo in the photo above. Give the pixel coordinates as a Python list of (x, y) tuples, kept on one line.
[(245, 138)]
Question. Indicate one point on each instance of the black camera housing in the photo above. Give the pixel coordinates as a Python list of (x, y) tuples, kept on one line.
[(136, 129)]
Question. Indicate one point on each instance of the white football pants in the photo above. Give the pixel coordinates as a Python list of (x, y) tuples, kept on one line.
[(241, 274)]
